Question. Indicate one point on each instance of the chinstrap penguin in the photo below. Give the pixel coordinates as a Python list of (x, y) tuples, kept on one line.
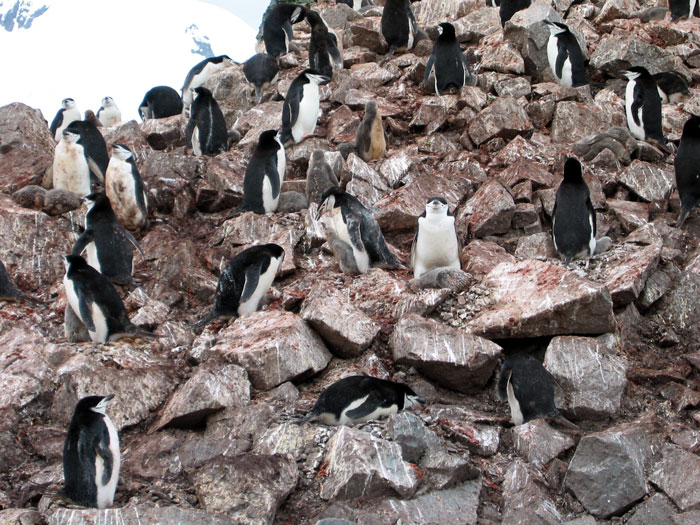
[(447, 67), (199, 74), (125, 189), (435, 244), (206, 129), (356, 226), (507, 8), (70, 168), (8, 291), (357, 5), (399, 27), (262, 71), (277, 27), (687, 166), (357, 399), (109, 113), (565, 56), (319, 177), (683, 9), (95, 300), (370, 138), (107, 242), (94, 147), (244, 282), (324, 55), (643, 105), (160, 102), (68, 113), (91, 457), (672, 88), (301, 106)]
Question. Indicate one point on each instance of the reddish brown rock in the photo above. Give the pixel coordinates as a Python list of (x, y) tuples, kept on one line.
[(165, 133), (527, 170), (632, 215), (490, 210), (574, 121), (504, 118), (649, 182), (628, 272), (676, 473), (481, 256)]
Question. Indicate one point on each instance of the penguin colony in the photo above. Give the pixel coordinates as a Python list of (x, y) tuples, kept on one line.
[(351, 230)]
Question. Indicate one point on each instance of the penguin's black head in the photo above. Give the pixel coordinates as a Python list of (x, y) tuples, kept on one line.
[(298, 14), (447, 31), (436, 205), (68, 103), (71, 135), (74, 261), (97, 199), (267, 142), (572, 170), (314, 76), (313, 18), (97, 404), (410, 397), (275, 250), (691, 128), (121, 151), (202, 91), (635, 72), (556, 28), (220, 58)]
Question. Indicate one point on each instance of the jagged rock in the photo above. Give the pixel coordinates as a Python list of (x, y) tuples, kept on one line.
[(607, 471), (253, 122), (360, 465), (480, 257), (432, 112), (296, 440), (677, 474), (347, 329), (273, 347), (477, 24), (550, 301), (590, 378), (539, 443), (656, 286), (371, 75), (231, 90), (167, 177), (337, 16), (129, 133), (649, 182), (446, 355), (366, 183), (627, 274), (248, 488), (538, 246), (673, 310), (501, 57), (395, 168), (632, 215), (139, 513), (463, 426), (432, 12), (367, 33), (655, 510), (526, 170), (250, 227), (613, 9), (615, 52), (525, 498), (574, 121), (22, 517), (164, 133), (221, 186), (490, 210), (210, 389), (504, 118), (377, 292)]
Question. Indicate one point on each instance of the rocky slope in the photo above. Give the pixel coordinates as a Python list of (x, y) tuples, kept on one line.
[(205, 418)]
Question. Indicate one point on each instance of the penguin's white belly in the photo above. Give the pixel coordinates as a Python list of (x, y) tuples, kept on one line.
[(92, 258), (101, 332), (281, 163), (436, 246), (341, 229), (637, 130), (377, 413), (270, 203), (307, 117), (196, 147), (105, 491), (110, 117), (515, 412), (70, 169), (264, 283), (121, 192), (72, 297)]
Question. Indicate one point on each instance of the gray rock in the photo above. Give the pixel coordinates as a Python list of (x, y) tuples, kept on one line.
[(338, 15), (574, 121), (673, 311), (628, 272), (499, 56), (468, 428), (656, 286), (477, 24), (614, 9), (657, 509), (539, 443), (490, 210), (504, 118), (450, 357), (366, 184), (525, 498), (139, 513), (648, 181), (607, 471), (677, 473)]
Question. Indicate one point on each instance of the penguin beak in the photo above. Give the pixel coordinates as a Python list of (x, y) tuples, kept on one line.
[(108, 397)]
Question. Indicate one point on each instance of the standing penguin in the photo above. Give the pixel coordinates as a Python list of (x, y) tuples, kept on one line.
[(244, 282), (508, 8), (92, 118), (107, 242), (301, 106), (435, 244), (67, 114), (91, 457), (160, 102), (399, 27), (70, 168), (447, 65), (643, 105), (357, 399), (357, 5), (125, 189), (109, 113), (687, 164), (565, 56), (683, 9), (199, 74), (263, 176), (672, 88), (261, 70), (370, 139), (356, 226), (319, 177), (573, 218), (206, 129), (277, 27), (324, 55), (8, 292), (94, 146), (95, 301)]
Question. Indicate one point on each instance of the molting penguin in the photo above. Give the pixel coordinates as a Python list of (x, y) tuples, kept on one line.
[(91, 457), (356, 226), (435, 244), (324, 55), (107, 242), (527, 386), (357, 399), (672, 88), (244, 282), (399, 26), (160, 102), (687, 164), (643, 105), (370, 139), (262, 71), (277, 27), (565, 56), (447, 65), (95, 300), (683, 9), (508, 8), (94, 147), (70, 168), (8, 292), (109, 113), (67, 114), (92, 118), (573, 218), (319, 177), (199, 74), (125, 189), (301, 106), (206, 129)]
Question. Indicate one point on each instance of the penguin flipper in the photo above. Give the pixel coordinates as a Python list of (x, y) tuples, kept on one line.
[(369, 405), (503, 378), (637, 103), (56, 122), (428, 71), (355, 234), (336, 57), (95, 169), (189, 130), (591, 213), (252, 275), (131, 239), (273, 175), (102, 450), (562, 55), (86, 238), (85, 313), (290, 109)]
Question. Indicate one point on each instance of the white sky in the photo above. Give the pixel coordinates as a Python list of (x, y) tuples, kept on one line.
[(88, 49)]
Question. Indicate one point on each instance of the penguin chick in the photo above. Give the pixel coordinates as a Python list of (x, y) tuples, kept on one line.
[(447, 66), (125, 189), (573, 218), (324, 55), (91, 457), (67, 114), (435, 244), (244, 282), (92, 118), (206, 129), (565, 56), (95, 301), (399, 27), (262, 71), (357, 399), (687, 166), (277, 27), (356, 226), (672, 88), (319, 177), (8, 292), (341, 250), (160, 102), (109, 113), (643, 105), (370, 139), (301, 106)]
